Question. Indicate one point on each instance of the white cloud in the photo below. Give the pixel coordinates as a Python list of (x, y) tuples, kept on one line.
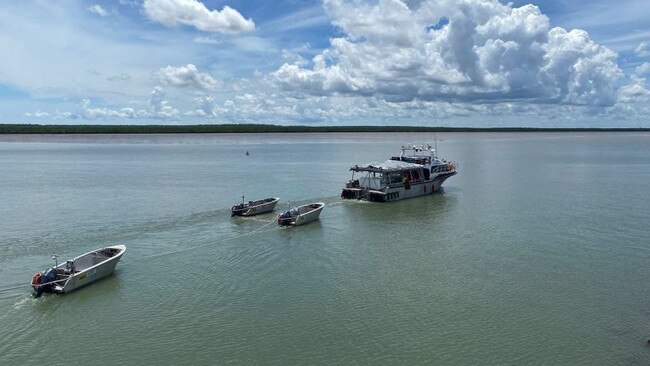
[(643, 69), (160, 107), (192, 12), (642, 50), (67, 115), (195, 113), (487, 51), (97, 9), (293, 58), (186, 76), (95, 113), (129, 3), (37, 114), (204, 106), (206, 40), (577, 70), (635, 92)]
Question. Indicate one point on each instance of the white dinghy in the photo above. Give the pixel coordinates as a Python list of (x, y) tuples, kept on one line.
[(301, 215), (78, 272), (254, 207)]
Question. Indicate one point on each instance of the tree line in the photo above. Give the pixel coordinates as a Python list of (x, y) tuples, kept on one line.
[(265, 128)]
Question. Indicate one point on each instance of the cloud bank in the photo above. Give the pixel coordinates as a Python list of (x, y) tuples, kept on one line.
[(442, 62), (458, 51)]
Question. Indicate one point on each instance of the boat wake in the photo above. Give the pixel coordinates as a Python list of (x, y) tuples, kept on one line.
[(250, 233)]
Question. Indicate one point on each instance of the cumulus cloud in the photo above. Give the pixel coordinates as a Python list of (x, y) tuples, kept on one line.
[(195, 113), (204, 106), (186, 76), (635, 92), (160, 107), (643, 69), (470, 50), (192, 12), (294, 58), (95, 113), (97, 9), (642, 50)]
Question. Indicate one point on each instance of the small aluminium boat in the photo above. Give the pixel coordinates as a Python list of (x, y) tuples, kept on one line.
[(301, 215), (254, 207), (77, 272)]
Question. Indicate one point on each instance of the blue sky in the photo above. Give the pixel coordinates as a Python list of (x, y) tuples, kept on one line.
[(333, 62)]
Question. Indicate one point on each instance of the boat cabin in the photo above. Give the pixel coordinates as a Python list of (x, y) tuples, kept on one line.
[(389, 173)]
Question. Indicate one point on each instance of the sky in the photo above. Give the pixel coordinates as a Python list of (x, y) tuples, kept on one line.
[(476, 63)]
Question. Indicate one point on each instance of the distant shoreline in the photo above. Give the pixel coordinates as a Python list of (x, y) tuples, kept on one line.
[(264, 128)]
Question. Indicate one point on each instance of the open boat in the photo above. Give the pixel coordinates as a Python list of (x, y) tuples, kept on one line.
[(301, 215), (77, 272), (254, 207)]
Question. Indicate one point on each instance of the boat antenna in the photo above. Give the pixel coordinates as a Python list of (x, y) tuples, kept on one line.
[(435, 145), (242, 198), (55, 256)]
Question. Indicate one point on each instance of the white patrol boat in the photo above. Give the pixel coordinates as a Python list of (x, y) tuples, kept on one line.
[(416, 172)]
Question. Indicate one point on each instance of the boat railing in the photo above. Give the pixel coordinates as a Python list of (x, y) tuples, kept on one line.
[(449, 166), (354, 183)]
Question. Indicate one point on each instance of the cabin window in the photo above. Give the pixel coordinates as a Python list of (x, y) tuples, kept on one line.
[(394, 178)]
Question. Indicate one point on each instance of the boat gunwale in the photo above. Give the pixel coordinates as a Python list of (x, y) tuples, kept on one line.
[(65, 281), (272, 200), (245, 208), (294, 219), (319, 204)]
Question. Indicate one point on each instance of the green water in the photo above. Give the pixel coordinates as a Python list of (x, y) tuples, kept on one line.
[(537, 252)]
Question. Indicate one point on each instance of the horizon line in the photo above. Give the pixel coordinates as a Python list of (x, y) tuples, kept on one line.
[(273, 128)]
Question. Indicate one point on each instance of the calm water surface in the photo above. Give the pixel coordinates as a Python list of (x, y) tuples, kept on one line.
[(538, 252)]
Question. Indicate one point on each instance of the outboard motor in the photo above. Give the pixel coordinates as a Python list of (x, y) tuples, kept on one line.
[(41, 278), (284, 218), (236, 209)]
